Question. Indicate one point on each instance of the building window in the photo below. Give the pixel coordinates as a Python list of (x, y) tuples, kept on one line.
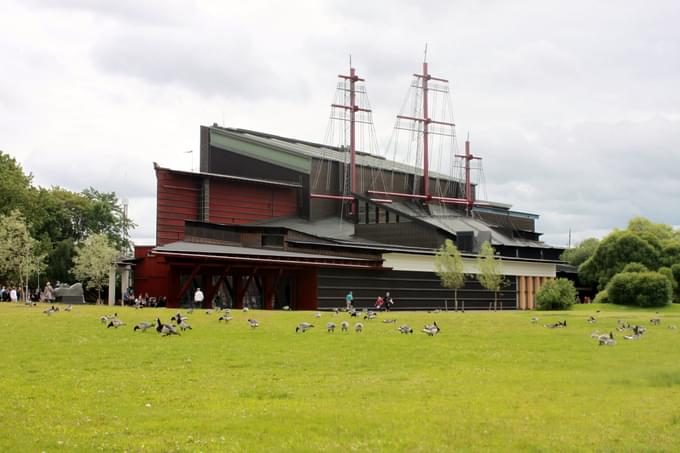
[(272, 240)]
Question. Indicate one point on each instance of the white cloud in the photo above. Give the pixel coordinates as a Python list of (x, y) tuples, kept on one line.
[(573, 105)]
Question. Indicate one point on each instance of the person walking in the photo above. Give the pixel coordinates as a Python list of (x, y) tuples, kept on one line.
[(349, 299), (198, 297), (48, 293)]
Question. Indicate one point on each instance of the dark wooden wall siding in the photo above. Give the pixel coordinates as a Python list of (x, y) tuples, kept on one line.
[(410, 290), (177, 199), (408, 233), (229, 163)]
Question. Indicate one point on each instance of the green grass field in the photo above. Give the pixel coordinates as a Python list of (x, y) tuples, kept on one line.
[(489, 381)]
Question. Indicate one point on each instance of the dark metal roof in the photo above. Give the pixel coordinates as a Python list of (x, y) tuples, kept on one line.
[(267, 182), (227, 250)]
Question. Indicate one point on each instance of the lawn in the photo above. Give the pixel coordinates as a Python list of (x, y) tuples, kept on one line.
[(488, 381)]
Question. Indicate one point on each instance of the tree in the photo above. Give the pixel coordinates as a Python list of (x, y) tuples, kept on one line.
[(15, 186), (19, 256), (635, 267), (449, 266), (581, 252), (490, 276), (93, 260), (614, 252), (668, 273), (675, 270), (643, 289), (556, 295)]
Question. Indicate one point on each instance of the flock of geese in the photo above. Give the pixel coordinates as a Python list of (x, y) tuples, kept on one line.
[(629, 332), (180, 323)]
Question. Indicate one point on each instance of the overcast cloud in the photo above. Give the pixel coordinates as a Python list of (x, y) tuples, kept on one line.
[(574, 106)]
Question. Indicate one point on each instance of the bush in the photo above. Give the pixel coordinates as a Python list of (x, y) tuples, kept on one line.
[(643, 289), (675, 270), (635, 267), (556, 295), (602, 297)]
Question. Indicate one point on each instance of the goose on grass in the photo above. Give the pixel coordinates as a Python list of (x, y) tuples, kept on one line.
[(303, 327), (253, 323), (344, 326), (165, 329), (143, 326)]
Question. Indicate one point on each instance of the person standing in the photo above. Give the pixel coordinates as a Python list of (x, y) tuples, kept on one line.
[(198, 297), (349, 299), (13, 295), (48, 293)]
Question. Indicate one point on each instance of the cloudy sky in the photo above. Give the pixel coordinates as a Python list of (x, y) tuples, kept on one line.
[(574, 105)]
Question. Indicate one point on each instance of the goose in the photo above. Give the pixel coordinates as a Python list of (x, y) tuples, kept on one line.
[(344, 325), (225, 318), (370, 315), (190, 310), (115, 323), (607, 340), (178, 318), (405, 329), (432, 326), (317, 315), (672, 327), (639, 330), (286, 307), (303, 327), (655, 321), (50, 310), (336, 311), (436, 310), (595, 334), (592, 320), (634, 336), (389, 321), (143, 326), (253, 323), (245, 309), (69, 307), (358, 327), (353, 313), (165, 329), (208, 312), (534, 320), (185, 325), (431, 329), (330, 327)]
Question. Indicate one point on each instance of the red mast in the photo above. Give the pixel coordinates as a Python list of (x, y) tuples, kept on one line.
[(353, 108), (426, 120), (468, 183)]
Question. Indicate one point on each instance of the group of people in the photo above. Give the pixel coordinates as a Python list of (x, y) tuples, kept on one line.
[(16, 294), (381, 303), (143, 300)]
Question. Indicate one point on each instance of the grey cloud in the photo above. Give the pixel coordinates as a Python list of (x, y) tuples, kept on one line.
[(231, 66), (142, 12)]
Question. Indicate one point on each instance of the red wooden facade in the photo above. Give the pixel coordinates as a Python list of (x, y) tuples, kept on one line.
[(215, 198)]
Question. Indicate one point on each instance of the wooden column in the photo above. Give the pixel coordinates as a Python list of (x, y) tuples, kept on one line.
[(530, 293), (522, 289)]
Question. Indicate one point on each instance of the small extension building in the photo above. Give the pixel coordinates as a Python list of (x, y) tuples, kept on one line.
[(271, 222)]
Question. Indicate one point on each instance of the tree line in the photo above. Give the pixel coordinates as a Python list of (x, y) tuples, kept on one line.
[(53, 233)]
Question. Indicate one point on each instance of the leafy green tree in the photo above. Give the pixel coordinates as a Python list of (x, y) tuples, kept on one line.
[(558, 294), (614, 252), (19, 257), (668, 273), (93, 260), (490, 275), (675, 269), (15, 186), (670, 252), (643, 289), (449, 267), (581, 252), (635, 267)]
